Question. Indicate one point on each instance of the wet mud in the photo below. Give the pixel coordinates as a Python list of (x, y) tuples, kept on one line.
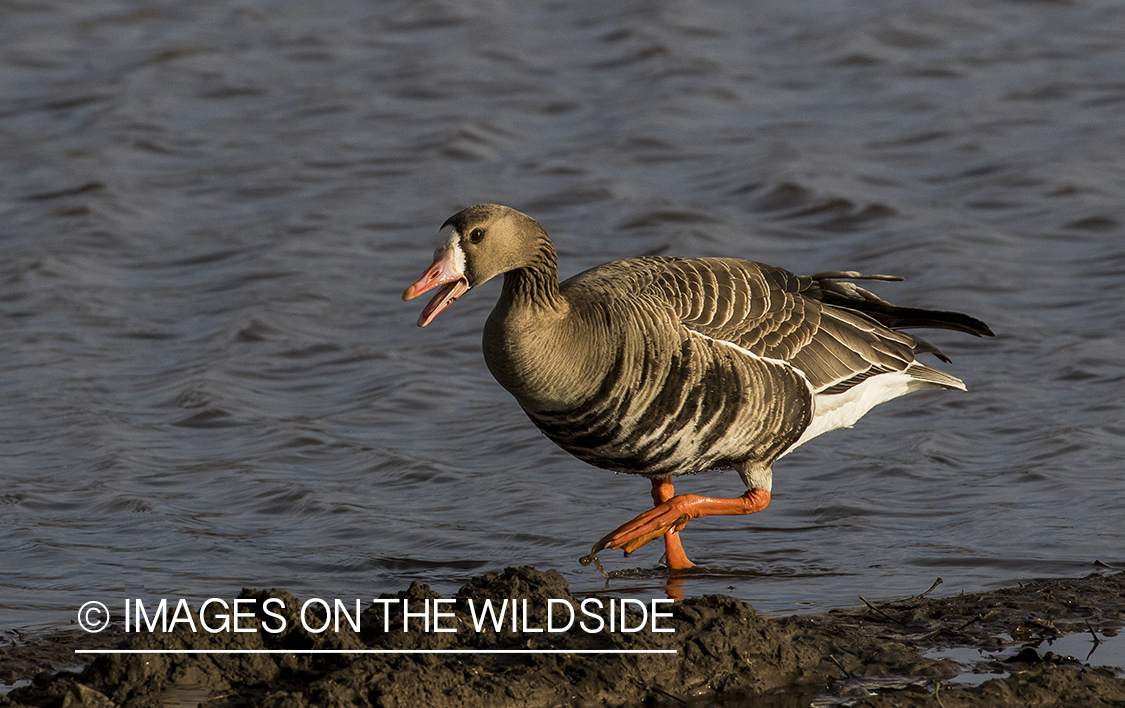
[(726, 654)]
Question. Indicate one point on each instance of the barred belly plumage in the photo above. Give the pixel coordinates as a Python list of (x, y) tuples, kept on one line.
[(689, 406)]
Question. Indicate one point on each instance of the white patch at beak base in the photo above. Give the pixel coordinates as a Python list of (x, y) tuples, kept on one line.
[(447, 271)]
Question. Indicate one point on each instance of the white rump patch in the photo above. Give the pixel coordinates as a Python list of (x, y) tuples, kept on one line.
[(842, 410)]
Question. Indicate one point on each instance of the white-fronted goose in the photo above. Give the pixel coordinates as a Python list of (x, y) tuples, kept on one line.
[(671, 366)]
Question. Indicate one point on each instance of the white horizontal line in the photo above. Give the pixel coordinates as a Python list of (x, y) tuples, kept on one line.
[(376, 651)]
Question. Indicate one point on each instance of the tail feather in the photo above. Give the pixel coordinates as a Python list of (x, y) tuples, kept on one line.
[(852, 297)]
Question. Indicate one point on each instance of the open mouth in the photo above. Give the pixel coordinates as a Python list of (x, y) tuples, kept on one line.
[(445, 274), (444, 297)]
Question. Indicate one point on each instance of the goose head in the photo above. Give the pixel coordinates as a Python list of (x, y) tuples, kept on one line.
[(477, 244)]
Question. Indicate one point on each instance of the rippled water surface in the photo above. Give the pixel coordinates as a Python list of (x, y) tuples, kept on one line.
[(209, 210)]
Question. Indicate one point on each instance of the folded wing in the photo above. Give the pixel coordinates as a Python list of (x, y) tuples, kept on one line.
[(836, 333)]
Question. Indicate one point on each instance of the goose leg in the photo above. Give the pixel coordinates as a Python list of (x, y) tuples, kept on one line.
[(671, 515), (662, 491)]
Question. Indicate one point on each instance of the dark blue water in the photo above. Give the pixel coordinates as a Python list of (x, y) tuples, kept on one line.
[(209, 210)]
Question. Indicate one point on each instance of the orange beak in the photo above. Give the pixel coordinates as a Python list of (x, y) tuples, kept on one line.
[(442, 272)]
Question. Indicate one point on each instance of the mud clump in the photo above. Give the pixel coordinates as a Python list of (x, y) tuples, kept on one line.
[(520, 638)]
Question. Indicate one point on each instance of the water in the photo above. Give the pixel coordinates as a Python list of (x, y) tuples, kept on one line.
[(208, 212), (981, 666)]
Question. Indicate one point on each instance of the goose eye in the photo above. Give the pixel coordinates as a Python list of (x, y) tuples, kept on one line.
[(476, 235)]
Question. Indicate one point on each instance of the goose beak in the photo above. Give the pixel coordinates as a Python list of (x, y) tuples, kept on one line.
[(442, 272)]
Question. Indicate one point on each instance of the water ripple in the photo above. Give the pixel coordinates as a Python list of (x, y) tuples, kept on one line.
[(210, 212)]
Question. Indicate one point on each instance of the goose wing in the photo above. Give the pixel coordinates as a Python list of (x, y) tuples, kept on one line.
[(775, 314)]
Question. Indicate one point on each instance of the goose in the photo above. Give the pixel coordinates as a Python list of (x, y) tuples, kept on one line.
[(662, 367)]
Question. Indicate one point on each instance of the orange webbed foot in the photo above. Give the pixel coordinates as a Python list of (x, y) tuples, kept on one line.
[(669, 516), (649, 526)]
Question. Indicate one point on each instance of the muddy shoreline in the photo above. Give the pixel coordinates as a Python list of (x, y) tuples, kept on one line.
[(726, 654)]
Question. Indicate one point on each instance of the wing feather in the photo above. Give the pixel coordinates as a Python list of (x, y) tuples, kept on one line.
[(776, 314), (837, 334)]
